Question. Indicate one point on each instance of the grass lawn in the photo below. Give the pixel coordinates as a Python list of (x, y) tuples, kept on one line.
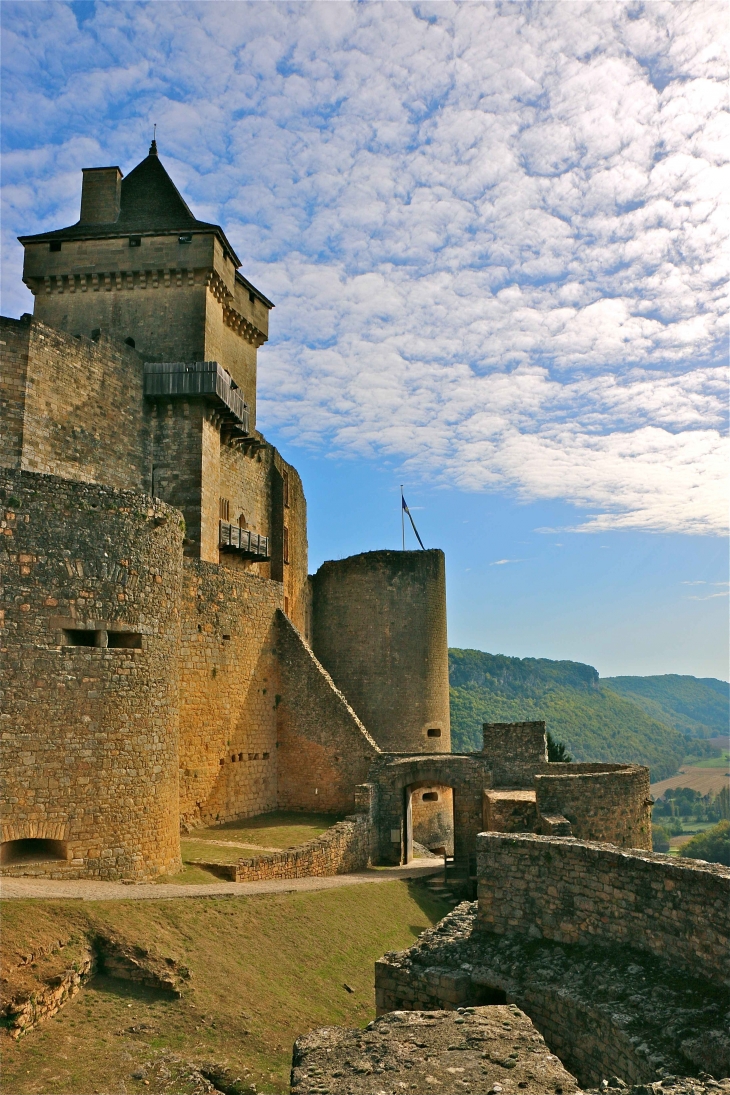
[(264, 969), (281, 829)]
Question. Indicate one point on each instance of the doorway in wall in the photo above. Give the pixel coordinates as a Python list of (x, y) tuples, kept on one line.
[(429, 819)]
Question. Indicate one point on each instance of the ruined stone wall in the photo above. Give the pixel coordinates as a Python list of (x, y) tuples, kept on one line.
[(228, 694), (343, 848), (379, 629), (515, 751), (574, 892), (90, 755), (324, 750), (606, 802), (81, 413)]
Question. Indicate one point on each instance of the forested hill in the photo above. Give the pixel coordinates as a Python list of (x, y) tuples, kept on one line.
[(594, 721), (698, 706)]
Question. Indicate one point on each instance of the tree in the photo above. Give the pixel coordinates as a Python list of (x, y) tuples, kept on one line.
[(713, 845), (557, 750)]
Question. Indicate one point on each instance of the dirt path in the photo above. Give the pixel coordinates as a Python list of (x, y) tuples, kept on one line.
[(83, 890)]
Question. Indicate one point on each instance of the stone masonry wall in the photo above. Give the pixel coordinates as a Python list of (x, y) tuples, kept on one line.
[(89, 732), (610, 803), (577, 892), (81, 411), (515, 751), (14, 339), (324, 750), (228, 694), (379, 629), (343, 848)]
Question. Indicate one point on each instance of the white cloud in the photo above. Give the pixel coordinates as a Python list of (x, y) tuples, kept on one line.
[(493, 233)]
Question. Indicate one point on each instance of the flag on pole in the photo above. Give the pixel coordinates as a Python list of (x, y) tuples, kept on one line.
[(410, 518)]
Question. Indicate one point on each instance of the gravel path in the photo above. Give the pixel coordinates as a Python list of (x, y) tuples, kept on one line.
[(84, 890)]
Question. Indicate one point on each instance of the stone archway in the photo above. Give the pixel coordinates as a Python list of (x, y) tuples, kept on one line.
[(394, 777)]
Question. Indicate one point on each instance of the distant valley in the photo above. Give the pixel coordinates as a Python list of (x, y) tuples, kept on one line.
[(645, 720)]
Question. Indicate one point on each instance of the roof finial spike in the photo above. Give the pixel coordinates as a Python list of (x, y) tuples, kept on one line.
[(153, 146)]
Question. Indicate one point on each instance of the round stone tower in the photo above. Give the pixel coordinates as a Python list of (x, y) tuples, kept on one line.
[(379, 629)]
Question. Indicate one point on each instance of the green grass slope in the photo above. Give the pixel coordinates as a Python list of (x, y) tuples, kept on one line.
[(697, 706), (596, 723)]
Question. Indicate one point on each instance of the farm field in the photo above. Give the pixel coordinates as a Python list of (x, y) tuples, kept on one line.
[(705, 780), (262, 971)]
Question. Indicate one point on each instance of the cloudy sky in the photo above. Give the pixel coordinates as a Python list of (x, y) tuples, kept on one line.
[(493, 233)]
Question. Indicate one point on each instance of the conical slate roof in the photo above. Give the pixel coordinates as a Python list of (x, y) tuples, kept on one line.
[(150, 204)]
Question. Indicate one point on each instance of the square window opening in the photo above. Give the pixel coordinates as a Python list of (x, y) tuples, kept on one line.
[(76, 636), (135, 241), (54, 245), (124, 640), (434, 732)]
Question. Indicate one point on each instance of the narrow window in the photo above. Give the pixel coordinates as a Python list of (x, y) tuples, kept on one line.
[(286, 488), (251, 296), (434, 732), (240, 756), (129, 342), (224, 509), (242, 520), (124, 640), (78, 637), (431, 796), (226, 638), (286, 544), (135, 241), (266, 756), (222, 760), (54, 245), (286, 606), (233, 758)]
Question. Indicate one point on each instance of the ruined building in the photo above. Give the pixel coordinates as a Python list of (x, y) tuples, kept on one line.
[(167, 661)]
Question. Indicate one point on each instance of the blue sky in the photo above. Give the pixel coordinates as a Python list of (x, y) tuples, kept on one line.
[(493, 233)]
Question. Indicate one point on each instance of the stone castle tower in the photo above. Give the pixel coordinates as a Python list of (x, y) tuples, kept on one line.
[(168, 660)]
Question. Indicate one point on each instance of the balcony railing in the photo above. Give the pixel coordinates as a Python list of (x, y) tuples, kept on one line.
[(206, 379), (248, 544)]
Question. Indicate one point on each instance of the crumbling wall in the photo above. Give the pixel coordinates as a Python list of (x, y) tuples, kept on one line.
[(90, 732), (324, 751), (572, 891)]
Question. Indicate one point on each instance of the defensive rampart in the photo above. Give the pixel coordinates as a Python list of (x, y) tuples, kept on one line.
[(578, 892)]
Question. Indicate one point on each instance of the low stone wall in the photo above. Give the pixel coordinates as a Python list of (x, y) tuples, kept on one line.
[(578, 892), (343, 848)]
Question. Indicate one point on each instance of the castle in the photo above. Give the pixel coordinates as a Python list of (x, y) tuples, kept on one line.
[(168, 661)]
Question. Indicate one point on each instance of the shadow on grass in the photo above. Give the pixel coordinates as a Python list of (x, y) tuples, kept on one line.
[(134, 991)]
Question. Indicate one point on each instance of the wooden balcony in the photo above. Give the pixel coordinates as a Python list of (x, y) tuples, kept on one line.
[(247, 544), (199, 380)]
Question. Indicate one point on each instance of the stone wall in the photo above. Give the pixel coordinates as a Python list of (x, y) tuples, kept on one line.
[(343, 848), (577, 892), (606, 1010), (514, 751), (379, 629), (510, 811), (89, 733), (228, 694), (324, 751), (394, 775), (432, 816), (77, 406), (606, 802)]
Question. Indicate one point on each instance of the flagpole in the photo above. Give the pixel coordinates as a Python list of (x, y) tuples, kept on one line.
[(402, 520)]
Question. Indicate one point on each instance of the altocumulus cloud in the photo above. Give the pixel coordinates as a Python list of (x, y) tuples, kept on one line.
[(493, 232)]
